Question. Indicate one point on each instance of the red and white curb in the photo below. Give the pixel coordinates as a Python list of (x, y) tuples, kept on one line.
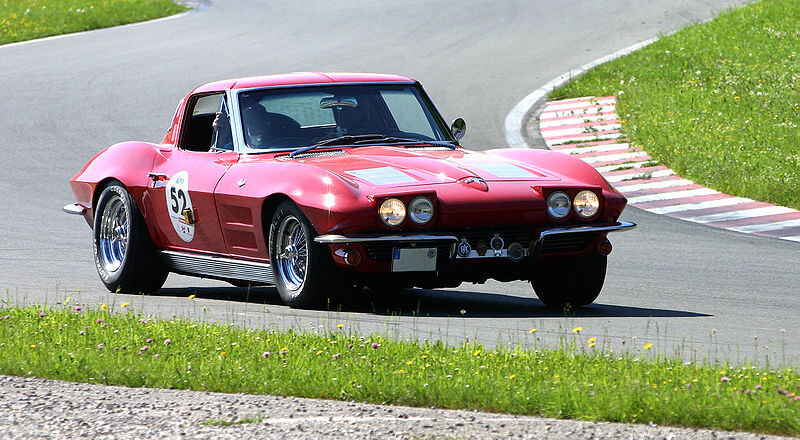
[(589, 129)]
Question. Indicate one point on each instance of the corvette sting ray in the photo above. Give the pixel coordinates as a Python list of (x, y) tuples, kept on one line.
[(322, 183)]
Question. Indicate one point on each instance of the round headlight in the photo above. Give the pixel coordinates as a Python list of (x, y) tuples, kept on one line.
[(558, 204), (420, 210), (392, 212), (586, 204)]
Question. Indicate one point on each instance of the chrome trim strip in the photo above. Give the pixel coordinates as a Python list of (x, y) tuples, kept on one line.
[(341, 239), (75, 208), (217, 267), (610, 227)]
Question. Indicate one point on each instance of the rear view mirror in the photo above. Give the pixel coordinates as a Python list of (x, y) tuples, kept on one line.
[(338, 101)]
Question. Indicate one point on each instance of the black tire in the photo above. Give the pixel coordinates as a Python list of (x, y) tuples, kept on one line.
[(304, 272), (569, 283), (124, 254)]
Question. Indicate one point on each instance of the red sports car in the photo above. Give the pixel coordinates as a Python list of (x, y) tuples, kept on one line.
[(322, 183)]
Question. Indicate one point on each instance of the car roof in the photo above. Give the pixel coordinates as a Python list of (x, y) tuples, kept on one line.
[(298, 78)]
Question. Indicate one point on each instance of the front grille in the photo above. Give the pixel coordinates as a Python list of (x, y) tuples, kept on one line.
[(383, 251), (524, 235), (567, 243)]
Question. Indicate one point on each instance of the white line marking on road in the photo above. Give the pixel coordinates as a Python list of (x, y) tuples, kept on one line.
[(672, 195), (576, 120), (622, 166), (590, 101), (792, 238), (367, 419), (580, 130), (737, 215), (594, 149), (654, 185), (515, 118), (639, 175), (75, 34), (700, 205), (612, 157), (767, 226)]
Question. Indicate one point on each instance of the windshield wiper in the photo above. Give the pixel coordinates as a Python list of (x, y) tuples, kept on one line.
[(404, 141), (348, 139)]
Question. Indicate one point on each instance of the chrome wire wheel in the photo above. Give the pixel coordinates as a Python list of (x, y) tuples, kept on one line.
[(292, 247), (112, 240)]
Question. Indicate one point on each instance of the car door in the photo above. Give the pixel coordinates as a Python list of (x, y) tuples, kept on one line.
[(184, 178)]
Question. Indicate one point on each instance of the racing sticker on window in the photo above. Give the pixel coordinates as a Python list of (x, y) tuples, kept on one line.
[(179, 206), (382, 175), (503, 170)]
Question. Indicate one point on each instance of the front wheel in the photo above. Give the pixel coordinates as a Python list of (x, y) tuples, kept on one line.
[(303, 270), (569, 283), (124, 255)]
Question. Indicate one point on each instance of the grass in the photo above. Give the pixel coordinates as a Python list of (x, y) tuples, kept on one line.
[(22, 20), (580, 380), (718, 102)]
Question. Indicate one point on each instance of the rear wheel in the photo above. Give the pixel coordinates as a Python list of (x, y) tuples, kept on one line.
[(304, 272), (574, 283), (124, 255)]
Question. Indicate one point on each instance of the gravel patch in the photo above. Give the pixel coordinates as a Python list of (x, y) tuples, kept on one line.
[(32, 408)]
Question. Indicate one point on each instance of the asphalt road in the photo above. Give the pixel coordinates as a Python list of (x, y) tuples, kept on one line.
[(700, 292)]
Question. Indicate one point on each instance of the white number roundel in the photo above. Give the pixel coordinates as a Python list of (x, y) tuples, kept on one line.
[(178, 202)]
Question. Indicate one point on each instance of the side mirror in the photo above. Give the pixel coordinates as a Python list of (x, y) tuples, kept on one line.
[(458, 128)]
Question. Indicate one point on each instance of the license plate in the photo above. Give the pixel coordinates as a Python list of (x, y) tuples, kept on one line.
[(413, 259)]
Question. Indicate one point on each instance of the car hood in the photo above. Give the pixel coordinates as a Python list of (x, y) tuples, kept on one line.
[(400, 167)]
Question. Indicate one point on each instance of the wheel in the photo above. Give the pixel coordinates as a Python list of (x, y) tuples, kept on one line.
[(124, 255), (304, 271), (573, 283)]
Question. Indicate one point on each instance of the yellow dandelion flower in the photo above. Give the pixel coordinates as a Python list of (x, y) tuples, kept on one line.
[(592, 344), (224, 353), (401, 371), (511, 376), (592, 340), (577, 329), (33, 345), (339, 325), (476, 352), (318, 352), (192, 296), (125, 304), (648, 346), (533, 330), (103, 307)]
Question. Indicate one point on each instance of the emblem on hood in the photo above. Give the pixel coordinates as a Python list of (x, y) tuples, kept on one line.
[(475, 182)]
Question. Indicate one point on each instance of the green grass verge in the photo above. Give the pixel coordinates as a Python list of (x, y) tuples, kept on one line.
[(28, 19), (581, 380), (718, 102)]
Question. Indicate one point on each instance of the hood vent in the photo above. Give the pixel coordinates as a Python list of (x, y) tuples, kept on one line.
[(312, 155)]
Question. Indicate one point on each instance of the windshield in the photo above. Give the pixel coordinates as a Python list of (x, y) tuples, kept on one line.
[(285, 118)]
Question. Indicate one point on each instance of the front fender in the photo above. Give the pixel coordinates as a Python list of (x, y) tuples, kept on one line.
[(128, 162)]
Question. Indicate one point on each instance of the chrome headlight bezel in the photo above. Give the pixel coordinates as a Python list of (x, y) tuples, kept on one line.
[(424, 218), (392, 212), (586, 204), (559, 204)]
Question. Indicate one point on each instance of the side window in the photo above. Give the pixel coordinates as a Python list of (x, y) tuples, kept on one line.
[(207, 125), (407, 112)]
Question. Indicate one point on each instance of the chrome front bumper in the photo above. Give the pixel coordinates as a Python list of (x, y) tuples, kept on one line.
[(534, 249)]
